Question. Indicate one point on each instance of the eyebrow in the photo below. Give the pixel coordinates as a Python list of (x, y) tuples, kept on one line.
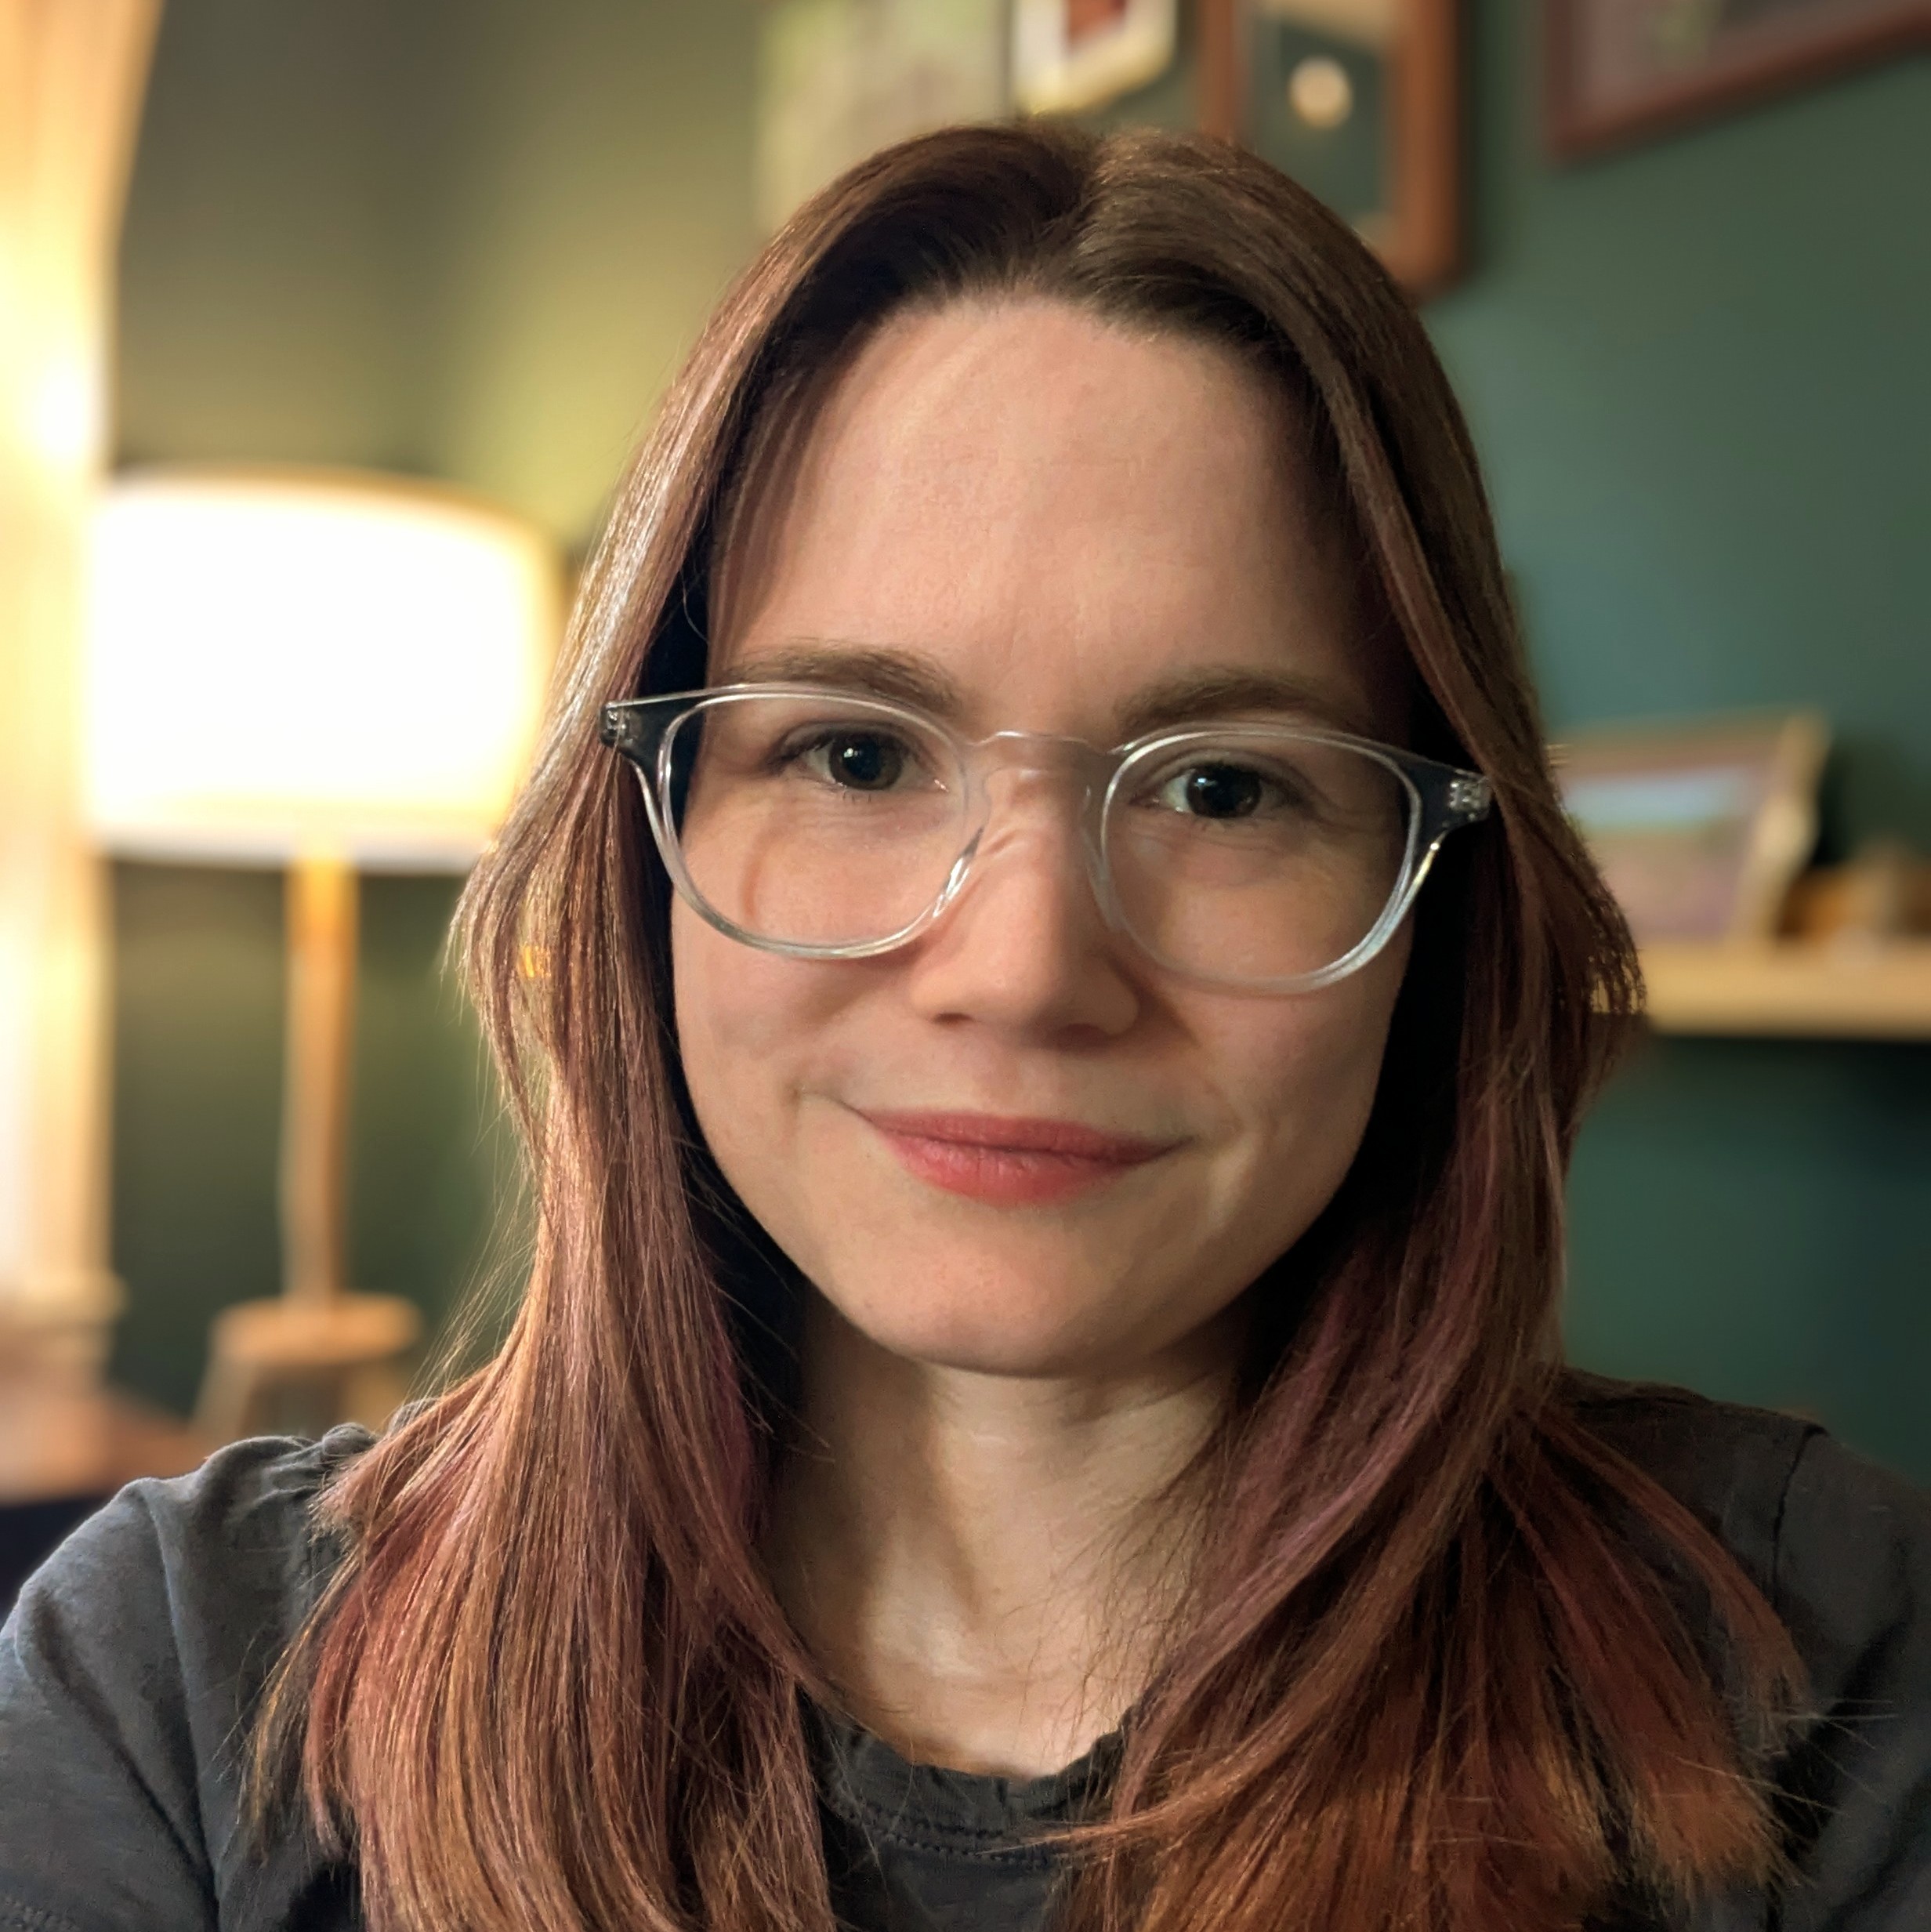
[(1196, 695), (1191, 697), (900, 674)]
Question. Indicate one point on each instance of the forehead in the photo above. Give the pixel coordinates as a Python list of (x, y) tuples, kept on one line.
[(1057, 512)]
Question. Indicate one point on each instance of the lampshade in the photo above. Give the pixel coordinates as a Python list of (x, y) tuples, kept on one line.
[(285, 663)]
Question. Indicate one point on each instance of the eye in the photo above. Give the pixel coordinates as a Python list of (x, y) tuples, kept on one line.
[(1218, 791), (856, 760)]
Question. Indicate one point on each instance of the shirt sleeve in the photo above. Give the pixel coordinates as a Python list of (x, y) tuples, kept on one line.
[(128, 1671), (1852, 1583)]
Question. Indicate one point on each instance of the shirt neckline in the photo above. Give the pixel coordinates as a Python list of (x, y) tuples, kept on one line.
[(867, 1782)]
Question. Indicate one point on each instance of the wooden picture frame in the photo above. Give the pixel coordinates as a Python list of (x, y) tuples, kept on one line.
[(1700, 827), (1420, 234), (1616, 71)]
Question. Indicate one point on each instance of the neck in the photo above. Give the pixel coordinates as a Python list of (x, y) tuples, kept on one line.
[(985, 1565)]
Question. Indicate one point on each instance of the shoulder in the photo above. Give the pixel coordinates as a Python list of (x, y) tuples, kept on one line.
[(1841, 1548), (1806, 1517), (1731, 1465), (128, 1668), (211, 1567), (249, 1507)]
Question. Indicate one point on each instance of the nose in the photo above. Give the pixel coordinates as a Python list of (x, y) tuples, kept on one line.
[(1024, 946)]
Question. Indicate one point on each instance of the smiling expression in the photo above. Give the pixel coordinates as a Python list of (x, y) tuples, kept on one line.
[(1016, 1145)]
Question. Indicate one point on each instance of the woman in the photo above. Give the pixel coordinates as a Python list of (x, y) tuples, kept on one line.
[(1037, 1398)]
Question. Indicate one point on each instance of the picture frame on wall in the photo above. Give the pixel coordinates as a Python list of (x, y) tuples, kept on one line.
[(1700, 828), (1617, 70), (1072, 54), (1359, 100)]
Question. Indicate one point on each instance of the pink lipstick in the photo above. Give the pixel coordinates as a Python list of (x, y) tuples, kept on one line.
[(1011, 1162)]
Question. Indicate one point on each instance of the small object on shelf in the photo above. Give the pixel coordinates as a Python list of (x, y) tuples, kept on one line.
[(1882, 892)]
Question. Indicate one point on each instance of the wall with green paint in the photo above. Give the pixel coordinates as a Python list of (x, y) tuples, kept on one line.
[(469, 238), (1697, 372), (472, 241), (198, 1016)]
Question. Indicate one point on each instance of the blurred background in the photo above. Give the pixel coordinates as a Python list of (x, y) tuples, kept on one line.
[(1679, 272)]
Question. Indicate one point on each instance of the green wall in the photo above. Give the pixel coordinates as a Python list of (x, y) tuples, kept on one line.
[(473, 240), (1697, 373), (470, 238), (197, 1011)]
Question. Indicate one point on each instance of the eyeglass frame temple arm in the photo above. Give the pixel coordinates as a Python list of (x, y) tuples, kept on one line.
[(633, 727)]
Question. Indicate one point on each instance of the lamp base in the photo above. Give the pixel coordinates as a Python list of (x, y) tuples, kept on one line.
[(304, 1365)]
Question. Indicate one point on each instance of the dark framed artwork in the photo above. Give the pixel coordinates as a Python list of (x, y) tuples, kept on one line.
[(1618, 70), (1359, 100)]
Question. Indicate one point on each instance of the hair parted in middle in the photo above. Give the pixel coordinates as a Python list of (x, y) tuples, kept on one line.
[(1430, 1670)]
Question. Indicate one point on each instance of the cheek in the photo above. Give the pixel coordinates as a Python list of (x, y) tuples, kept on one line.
[(1316, 1078), (751, 1028), (1299, 1076), (732, 1014)]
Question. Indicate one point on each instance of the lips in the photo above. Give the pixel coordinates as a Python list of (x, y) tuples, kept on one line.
[(1012, 1162)]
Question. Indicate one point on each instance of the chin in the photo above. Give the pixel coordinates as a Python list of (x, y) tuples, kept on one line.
[(1000, 1327)]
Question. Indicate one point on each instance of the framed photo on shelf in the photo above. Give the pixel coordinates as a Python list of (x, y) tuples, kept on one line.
[(1618, 69), (1700, 828)]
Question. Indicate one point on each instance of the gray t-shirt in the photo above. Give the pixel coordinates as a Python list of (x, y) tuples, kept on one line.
[(130, 1664)]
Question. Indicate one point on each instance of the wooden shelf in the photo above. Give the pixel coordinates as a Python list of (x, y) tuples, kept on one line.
[(1879, 992)]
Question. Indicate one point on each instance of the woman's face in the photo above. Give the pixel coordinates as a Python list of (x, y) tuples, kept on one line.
[(1059, 520)]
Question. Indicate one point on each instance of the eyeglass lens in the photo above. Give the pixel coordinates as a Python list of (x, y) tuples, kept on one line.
[(1246, 857)]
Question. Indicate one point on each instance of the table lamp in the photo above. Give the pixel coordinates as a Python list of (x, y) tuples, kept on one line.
[(330, 670)]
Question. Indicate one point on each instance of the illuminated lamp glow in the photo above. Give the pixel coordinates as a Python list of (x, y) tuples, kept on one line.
[(283, 664)]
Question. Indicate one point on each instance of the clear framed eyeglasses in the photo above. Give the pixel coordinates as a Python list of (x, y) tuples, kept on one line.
[(830, 825)]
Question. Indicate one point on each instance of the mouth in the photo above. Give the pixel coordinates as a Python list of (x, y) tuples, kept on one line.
[(1012, 1162)]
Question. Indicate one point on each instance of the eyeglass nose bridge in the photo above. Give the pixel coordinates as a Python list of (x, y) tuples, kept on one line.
[(1035, 754)]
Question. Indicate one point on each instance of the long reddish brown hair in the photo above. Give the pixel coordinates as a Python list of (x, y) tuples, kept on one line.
[(1437, 1668)]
